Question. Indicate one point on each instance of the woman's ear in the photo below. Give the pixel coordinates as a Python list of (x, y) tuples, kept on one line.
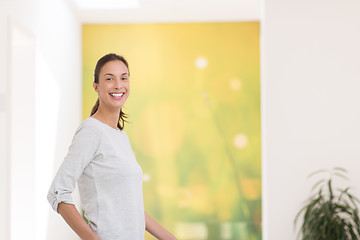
[(95, 86)]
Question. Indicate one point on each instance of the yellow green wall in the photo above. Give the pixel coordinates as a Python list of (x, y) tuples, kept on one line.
[(194, 126)]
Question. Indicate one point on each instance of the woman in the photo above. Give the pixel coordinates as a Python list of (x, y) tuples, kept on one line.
[(101, 161)]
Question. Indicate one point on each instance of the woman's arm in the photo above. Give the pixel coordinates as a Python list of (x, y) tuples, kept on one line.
[(76, 222), (156, 229)]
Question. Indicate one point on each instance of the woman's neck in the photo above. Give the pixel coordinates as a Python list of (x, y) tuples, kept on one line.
[(110, 118)]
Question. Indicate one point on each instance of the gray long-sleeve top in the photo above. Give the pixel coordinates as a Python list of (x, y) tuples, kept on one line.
[(101, 161)]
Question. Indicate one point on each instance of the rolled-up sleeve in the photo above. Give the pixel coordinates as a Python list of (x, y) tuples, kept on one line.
[(83, 149)]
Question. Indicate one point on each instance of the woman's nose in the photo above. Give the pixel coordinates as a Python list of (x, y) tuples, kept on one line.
[(118, 84)]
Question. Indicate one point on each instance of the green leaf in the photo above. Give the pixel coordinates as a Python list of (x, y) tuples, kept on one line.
[(341, 176), (331, 213), (340, 169), (317, 184), (330, 190), (342, 192), (316, 172)]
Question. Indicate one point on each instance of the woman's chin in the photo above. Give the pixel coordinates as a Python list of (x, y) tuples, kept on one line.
[(117, 104)]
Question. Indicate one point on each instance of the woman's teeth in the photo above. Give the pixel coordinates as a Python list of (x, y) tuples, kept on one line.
[(116, 94)]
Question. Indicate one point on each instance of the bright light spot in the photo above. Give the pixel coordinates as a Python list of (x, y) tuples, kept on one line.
[(240, 141), (204, 95), (191, 230), (235, 84), (201, 62), (146, 177), (185, 198), (226, 230), (106, 4)]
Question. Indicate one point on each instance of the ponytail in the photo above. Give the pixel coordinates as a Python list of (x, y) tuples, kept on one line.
[(95, 107), (122, 115)]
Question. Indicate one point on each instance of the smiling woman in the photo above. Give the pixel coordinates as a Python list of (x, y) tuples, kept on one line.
[(101, 161), (111, 82)]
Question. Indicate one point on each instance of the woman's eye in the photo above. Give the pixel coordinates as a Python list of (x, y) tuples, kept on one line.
[(124, 79), (109, 79)]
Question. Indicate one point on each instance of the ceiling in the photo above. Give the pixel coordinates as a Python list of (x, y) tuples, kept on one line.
[(158, 11)]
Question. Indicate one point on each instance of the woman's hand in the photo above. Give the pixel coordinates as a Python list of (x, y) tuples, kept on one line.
[(156, 229), (73, 218)]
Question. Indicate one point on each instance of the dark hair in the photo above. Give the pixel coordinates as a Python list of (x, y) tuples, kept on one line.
[(102, 61)]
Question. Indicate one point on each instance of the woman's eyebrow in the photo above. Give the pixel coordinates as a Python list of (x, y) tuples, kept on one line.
[(125, 73)]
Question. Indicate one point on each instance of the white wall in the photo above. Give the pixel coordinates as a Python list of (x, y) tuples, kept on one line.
[(22, 131), (310, 102), (51, 108), (310, 76), (8, 19)]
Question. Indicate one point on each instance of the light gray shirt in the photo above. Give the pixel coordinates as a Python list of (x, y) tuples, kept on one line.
[(101, 161)]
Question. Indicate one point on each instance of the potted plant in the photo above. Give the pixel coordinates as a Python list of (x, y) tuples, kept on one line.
[(329, 214)]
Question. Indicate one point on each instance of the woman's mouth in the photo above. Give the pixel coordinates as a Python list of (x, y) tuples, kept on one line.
[(116, 96)]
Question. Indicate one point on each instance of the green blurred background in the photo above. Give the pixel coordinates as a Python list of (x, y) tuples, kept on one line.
[(194, 111)]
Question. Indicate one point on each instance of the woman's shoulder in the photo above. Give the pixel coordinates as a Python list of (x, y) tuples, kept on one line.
[(90, 126), (87, 135)]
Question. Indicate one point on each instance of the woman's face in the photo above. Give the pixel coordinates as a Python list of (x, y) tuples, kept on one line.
[(113, 87)]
